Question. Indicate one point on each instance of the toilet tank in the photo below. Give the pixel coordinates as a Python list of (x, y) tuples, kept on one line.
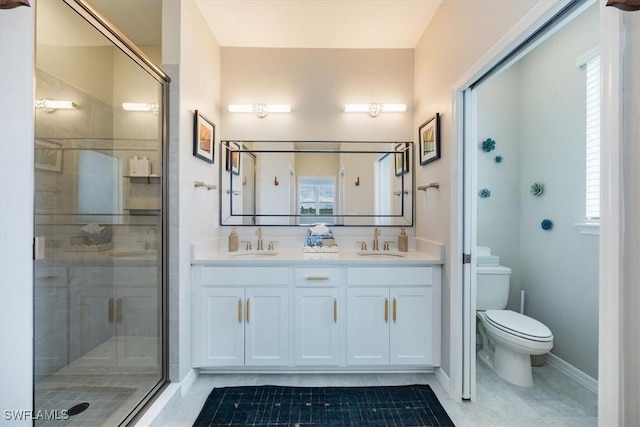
[(492, 287)]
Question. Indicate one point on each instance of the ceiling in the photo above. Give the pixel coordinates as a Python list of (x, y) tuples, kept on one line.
[(390, 24), (318, 24)]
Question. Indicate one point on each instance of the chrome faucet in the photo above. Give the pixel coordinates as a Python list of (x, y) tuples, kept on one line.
[(376, 233), (259, 246)]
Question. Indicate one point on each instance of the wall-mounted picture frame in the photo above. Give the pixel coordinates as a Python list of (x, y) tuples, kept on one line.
[(402, 158), (429, 140), (204, 137), (48, 156), (233, 158)]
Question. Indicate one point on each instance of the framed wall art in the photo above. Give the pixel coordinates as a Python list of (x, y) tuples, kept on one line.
[(204, 136), (48, 156), (429, 140), (402, 158), (233, 158)]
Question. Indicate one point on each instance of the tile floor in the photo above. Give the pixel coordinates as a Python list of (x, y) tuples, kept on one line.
[(111, 389), (555, 399)]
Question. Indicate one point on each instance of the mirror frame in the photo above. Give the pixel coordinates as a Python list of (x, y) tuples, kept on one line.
[(226, 170)]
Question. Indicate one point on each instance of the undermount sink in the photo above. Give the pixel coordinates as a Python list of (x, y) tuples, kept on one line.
[(381, 254), (254, 254), (134, 254)]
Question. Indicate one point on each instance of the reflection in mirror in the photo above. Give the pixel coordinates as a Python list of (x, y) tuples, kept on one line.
[(248, 160), (302, 183), (99, 183)]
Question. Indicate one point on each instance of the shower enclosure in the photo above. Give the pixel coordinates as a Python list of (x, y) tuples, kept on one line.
[(100, 224)]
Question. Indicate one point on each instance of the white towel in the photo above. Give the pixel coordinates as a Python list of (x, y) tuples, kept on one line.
[(320, 230), (488, 261), (483, 251)]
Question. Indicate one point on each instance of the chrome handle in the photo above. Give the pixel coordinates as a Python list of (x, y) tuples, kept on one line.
[(239, 310), (110, 310), (335, 310), (395, 309), (386, 310), (363, 245), (248, 310), (317, 277), (199, 184)]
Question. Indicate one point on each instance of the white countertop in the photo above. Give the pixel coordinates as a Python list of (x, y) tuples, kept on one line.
[(288, 257)]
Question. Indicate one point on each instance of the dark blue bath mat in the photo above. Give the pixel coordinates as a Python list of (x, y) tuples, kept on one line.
[(271, 406)]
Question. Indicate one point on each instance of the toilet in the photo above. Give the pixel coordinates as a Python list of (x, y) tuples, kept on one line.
[(508, 338)]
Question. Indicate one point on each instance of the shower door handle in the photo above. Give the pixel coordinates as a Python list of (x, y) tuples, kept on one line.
[(110, 310), (119, 310)]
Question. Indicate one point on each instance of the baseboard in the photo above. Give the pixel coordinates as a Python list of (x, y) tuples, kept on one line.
[(444, 379), (571, 371), (157, 413), (158, 410), (188, 380)]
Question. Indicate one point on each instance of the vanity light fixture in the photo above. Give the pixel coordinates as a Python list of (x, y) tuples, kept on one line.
[(140, 106), (374, 109), (260, 110), (50, 106)]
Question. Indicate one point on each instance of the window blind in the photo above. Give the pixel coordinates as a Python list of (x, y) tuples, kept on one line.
[(592, 67)]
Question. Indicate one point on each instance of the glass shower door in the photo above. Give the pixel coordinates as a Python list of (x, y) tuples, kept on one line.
[(99, 195)]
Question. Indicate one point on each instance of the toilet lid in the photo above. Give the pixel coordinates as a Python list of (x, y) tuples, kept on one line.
[(519, 325)]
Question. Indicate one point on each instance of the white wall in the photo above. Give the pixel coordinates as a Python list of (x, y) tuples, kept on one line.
[(459, 35), (17, 29), (192, 58), (499, 215), (559, 267), (535, 111), (317, 83)]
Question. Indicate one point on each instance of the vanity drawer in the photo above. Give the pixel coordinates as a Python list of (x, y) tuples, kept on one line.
[(212, 276), (389, 276), (318, 276)]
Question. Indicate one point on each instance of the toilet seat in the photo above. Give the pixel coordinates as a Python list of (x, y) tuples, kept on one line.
[(518, 325)]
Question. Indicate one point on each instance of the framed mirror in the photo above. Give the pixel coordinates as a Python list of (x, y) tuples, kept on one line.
[(346, 183)]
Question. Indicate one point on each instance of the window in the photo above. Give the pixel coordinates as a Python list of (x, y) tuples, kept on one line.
[(592, 68), (317, 196)]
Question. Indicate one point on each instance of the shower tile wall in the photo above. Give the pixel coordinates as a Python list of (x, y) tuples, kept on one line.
[(72, 288)]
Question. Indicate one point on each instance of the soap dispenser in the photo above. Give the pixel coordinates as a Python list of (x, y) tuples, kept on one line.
[(134, 166), (403, 241), (145, 166), (233, 241)]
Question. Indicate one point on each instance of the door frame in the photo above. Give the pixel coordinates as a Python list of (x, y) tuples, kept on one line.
[(462, 357)]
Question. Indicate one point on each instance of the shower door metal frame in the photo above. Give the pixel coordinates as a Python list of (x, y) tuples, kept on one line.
[(119, 40)]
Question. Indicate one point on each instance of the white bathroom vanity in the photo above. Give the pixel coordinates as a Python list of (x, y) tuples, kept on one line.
[(289, 311)]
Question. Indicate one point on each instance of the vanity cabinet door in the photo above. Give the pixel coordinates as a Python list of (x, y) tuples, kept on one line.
[(317, 326), (238, 326), (411, 323), (266, 320), (368, 326), (220, 327)]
